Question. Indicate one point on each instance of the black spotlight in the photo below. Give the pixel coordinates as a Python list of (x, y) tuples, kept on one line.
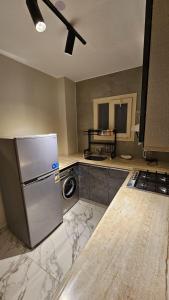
[(70, 42), (36, 15)]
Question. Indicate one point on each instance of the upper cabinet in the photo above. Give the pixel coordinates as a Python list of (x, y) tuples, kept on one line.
[(154, 123)]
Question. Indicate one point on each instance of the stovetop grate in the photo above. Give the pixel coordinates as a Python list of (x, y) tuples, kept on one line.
[(154, 182)]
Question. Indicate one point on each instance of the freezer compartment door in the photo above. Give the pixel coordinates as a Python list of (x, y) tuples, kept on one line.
[(36, 155), (43, 203)]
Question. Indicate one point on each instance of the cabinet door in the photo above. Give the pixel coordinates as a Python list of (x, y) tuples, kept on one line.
[(43, 204), (115, 180), (83, 182), (157, 116), (98, 184), (36, 155)]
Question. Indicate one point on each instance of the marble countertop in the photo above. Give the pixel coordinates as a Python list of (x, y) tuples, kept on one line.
[(65, 161), (127, 255)]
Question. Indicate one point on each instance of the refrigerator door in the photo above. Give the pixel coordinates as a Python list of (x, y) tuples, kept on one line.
[(37, 155), (43, 205)]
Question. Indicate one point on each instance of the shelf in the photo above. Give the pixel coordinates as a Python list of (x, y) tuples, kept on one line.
[(99, 132), (111, 143), (103, 143)]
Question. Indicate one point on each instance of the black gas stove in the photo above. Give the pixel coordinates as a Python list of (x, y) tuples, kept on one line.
[(150, 181)]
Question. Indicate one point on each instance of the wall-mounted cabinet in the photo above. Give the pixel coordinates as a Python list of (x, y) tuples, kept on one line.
[(155, 93)]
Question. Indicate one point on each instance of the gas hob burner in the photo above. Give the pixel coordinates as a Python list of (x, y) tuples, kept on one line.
[(143, 175), (162, 190), (150, 181), (163, 178)]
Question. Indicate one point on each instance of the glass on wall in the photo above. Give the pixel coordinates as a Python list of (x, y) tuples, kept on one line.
[(120, 117), (103, 116)]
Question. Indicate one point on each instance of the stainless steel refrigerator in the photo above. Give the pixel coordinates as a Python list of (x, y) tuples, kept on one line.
[(29, 180)]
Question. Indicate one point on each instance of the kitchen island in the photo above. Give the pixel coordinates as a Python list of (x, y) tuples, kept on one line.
[(127, 255)]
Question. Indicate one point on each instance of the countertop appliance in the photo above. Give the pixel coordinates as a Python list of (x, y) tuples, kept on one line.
[(70, 187), (150, 181), (30, 186)]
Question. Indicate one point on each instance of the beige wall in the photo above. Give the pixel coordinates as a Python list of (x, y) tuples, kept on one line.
[(2, 213), (27, 100), (125, 82), (32, 102), (27, 103), (71, 116), (61, 116), (67, 116)]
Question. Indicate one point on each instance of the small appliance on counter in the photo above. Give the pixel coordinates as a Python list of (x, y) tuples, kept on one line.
[(149, 157), (30, 186), (150, 181)]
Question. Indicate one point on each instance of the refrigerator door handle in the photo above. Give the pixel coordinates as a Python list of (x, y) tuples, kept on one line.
[(44, 177), (41, 178), (56, 176)]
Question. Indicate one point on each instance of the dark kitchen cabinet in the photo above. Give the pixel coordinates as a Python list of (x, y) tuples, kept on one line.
[(100, 184), (145, 69), (115, 180), (84, 182), (154, 120)]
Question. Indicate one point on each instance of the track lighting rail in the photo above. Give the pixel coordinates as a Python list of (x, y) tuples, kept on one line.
[(41, 26), (63, 19)]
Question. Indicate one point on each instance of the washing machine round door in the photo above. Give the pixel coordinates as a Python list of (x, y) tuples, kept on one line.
[(69, 187)]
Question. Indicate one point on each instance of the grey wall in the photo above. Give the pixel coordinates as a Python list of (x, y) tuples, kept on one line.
[(128, 81)]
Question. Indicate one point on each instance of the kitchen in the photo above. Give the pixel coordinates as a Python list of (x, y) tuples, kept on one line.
[(111, 187)]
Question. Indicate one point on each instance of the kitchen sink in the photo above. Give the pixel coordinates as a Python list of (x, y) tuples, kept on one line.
[(95, 157)]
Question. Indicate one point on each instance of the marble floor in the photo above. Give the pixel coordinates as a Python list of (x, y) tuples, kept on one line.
[(36, 274)]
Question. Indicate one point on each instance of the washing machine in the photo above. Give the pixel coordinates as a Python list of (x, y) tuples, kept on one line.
[(69, 187)]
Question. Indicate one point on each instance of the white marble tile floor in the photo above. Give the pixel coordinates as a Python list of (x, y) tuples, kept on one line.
[(36, 274)]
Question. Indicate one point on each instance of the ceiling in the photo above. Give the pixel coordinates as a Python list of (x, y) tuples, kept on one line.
[(113, 29)]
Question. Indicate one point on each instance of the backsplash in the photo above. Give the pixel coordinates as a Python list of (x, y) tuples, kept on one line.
[(127, 81), (124, 82)]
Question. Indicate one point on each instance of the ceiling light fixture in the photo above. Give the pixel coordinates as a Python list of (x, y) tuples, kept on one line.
[(70, 42), (36, 15), (41, 26)]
